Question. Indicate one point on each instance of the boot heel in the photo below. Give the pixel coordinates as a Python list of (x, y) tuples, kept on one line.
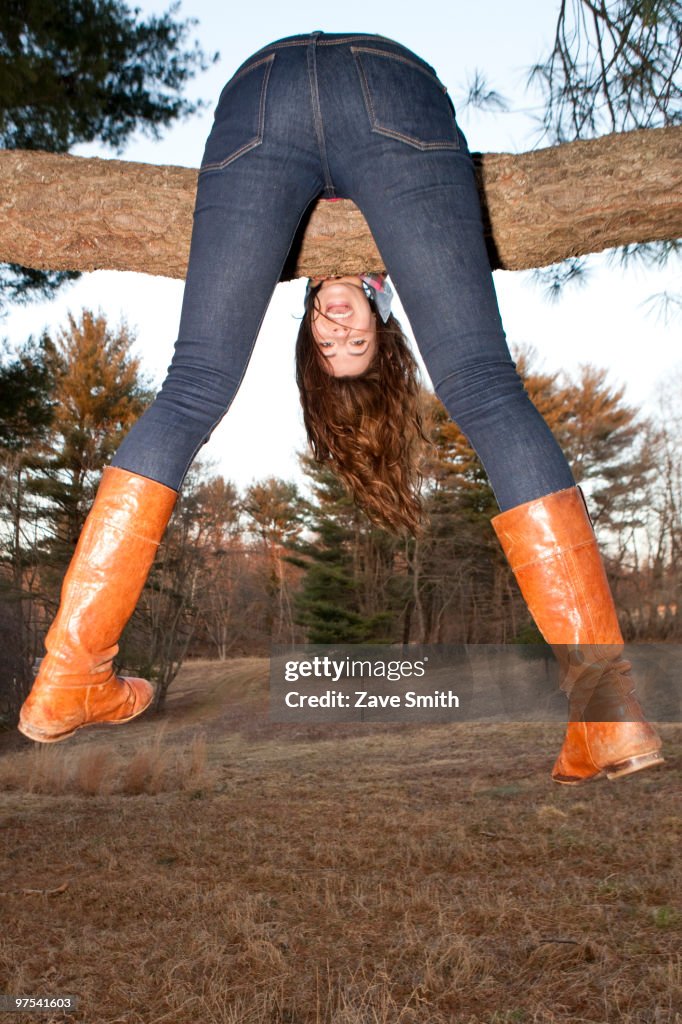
[(43, 737)]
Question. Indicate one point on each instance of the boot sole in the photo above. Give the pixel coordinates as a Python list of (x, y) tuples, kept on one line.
[(634, 764), (614, 771), (42, 737)]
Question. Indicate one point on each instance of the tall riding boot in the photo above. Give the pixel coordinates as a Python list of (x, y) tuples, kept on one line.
[(76, 685), (552, 550)]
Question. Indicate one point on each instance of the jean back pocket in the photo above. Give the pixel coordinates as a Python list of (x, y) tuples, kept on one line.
[(239, 121), (405, 100)]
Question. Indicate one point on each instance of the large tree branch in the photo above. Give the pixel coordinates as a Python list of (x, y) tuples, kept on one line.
[(62, 212)]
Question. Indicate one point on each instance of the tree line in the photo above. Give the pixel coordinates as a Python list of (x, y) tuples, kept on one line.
[(282, 563)]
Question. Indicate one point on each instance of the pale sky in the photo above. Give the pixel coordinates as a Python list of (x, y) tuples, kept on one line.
[(605, 322)]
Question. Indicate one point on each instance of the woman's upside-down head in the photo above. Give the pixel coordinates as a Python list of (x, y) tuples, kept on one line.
[(358, 384)]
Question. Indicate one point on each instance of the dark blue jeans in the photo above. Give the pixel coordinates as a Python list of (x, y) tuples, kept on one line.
[(358, 117)]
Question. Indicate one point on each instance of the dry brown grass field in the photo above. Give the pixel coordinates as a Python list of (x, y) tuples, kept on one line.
[(211, 867)]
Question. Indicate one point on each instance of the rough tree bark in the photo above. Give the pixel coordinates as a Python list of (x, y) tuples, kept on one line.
[(63, 212)]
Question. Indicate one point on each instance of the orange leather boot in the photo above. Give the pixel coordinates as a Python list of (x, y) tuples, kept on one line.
[(76, 685), (552, 550)]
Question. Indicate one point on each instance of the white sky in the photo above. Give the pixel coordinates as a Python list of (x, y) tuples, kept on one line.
[(605, 322)]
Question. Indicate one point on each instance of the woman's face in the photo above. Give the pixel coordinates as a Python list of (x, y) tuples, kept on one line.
[(344, 326)]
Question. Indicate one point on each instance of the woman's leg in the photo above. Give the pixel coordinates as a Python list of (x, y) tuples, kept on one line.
[(76, 684), (431, 237), (411, 175), (259, 173), (248, 208), (552, 550), (243, 231)]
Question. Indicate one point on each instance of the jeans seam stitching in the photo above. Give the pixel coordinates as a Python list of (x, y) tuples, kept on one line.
[(349, 39), (252, 143), (364, 84), (405, 60), (249, 67), (411, 141), (306, 42), (317, 116), (394, 133)]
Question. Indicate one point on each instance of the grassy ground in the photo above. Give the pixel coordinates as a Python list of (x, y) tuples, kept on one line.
[(212, 867)]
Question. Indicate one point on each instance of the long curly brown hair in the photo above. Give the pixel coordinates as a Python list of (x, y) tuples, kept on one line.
[(369, 427)]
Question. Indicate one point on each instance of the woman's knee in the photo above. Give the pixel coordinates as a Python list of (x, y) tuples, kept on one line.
[(475, 390)]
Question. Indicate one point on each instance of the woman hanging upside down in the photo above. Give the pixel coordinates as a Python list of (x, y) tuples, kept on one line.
[(359, 117)]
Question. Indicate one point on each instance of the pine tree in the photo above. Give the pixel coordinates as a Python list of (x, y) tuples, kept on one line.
[(75, 71), (454, 565), (350, 592), (26, 411), (98, 393)]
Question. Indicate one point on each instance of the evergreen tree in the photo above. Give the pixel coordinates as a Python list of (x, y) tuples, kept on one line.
[(74, 71), (26, 402), (454, 565), (26, 411), (98, 393), (462, 587), (614, 66), (607, 442), (348, 594)]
